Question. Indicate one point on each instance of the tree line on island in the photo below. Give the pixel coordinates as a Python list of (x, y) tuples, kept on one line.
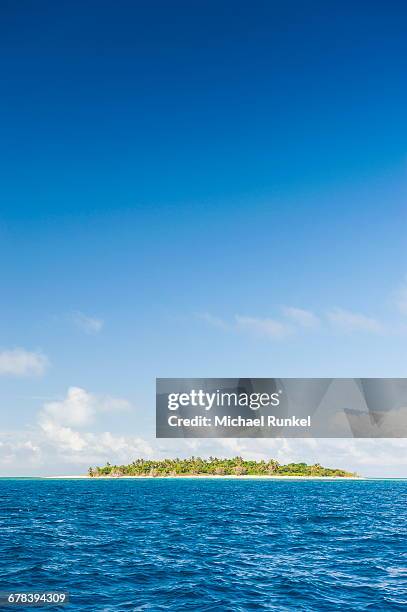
[(196, 466)]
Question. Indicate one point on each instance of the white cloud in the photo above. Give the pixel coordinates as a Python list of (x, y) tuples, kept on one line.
[(90, 448), (296, 318), (269, 328), (18, 454), (304, 318), (20, 362), (89, 325), (275, 329), (125, 448), (353, 322), (79, 408), (62, 437), (60, 420), (55, 449)]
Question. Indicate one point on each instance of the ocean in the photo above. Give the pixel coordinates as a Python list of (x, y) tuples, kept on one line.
[(207, 545)]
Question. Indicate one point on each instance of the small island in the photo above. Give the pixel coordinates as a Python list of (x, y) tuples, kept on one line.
[(196, 466)]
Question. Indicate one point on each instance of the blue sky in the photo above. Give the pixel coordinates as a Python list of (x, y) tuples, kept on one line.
[(180, 182)]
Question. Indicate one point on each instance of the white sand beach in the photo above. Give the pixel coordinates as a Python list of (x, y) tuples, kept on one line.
[(204, 476)]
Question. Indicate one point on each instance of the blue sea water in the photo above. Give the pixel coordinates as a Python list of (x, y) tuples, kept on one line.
[(206, 545)]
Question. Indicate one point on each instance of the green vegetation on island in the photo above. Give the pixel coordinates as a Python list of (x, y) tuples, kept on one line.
[(195, 466)]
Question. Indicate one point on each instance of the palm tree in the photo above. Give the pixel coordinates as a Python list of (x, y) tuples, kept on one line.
[(272, 466), (240, 470), (315, 468)]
